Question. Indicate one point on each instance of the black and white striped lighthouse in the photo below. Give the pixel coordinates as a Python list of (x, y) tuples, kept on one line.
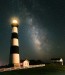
[(14, 59)]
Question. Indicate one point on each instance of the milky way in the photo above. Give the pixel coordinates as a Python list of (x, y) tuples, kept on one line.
[(39, 38)]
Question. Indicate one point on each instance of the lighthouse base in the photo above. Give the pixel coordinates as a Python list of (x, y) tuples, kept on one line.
[(15, 65)]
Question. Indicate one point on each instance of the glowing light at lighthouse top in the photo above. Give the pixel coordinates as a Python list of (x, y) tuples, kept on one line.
[(14, 23)]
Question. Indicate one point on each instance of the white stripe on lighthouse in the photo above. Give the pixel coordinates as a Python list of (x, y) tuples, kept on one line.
[(15, 58), (15, 30), (15, 42)]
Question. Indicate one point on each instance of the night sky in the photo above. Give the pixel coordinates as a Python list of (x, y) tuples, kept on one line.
[(41, 30)]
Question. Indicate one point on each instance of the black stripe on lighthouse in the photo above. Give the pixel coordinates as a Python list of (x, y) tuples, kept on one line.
[(14, 35), (14, 49)]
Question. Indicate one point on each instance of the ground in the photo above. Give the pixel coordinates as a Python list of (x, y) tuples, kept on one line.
[(47, 70)]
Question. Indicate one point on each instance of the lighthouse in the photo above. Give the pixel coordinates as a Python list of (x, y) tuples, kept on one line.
[(14, 59)]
